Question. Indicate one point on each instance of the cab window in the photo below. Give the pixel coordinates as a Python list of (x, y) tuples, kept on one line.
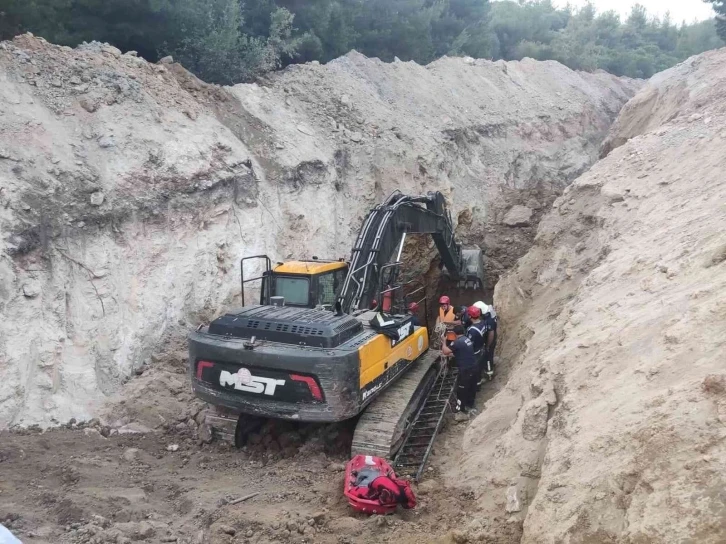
[(295, 290), (328, 285)]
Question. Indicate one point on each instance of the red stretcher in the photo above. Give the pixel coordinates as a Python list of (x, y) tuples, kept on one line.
[(371, 486)]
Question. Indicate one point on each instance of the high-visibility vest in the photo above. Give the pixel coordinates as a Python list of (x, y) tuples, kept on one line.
[(448, 317)]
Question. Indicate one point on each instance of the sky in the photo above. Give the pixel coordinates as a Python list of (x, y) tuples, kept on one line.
[(680, 9)]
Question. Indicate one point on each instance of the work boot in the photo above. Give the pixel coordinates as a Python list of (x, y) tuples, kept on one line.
[(490, 376)]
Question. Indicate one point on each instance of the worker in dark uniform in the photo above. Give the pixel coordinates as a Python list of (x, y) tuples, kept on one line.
[(489, 316), (463, 351), (491, 343), (464, 317), (477, 333), (412, 311)]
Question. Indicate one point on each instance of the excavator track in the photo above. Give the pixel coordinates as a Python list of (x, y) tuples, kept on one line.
[(383, 426), (231, 427)]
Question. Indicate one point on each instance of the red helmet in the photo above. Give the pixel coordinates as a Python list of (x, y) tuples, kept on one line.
[(474, 312), (444, 300), (413, 307)]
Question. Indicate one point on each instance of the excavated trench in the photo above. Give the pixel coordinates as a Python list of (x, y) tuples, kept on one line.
[(164, 184), (153, 185)]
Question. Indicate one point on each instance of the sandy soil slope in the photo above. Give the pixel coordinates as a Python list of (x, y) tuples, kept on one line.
[(611, 424)]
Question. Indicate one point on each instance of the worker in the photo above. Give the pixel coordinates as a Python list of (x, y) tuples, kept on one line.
[(491, 344), (490, 340), (412, 311), (447, 317), (463, 316), (462, 349), (492, 312), (477, 333)]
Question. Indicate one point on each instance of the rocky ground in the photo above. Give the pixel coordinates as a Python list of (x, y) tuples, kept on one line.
[(144, 472)]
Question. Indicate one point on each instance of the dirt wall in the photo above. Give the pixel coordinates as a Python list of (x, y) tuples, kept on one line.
[(609, 423)]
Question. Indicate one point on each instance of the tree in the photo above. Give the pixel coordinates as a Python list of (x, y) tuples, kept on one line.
[(229, 41), (696, 38), (212, 45), (719, 6)]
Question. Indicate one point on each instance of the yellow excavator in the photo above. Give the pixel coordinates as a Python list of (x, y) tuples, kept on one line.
[(331, 340)]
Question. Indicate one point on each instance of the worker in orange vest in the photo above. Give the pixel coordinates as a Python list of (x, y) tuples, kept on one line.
[(447, 316)]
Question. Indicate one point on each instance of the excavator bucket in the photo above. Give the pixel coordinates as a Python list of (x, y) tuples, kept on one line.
[(473, 271)]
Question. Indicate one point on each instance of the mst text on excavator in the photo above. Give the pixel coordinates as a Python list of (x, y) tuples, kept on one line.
[(313, 350)]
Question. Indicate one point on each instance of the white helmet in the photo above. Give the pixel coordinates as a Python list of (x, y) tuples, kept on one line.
[(492, 312), (482, 306)]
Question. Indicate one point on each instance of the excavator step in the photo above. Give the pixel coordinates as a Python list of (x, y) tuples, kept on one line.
[(414, 453)]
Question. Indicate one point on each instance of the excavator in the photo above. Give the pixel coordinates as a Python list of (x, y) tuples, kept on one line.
[(331, 340)]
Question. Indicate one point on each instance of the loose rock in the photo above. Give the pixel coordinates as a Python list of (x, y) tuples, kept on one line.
[(97, 198), (130, 454), (534, 423), (31, 289), (518, 216)]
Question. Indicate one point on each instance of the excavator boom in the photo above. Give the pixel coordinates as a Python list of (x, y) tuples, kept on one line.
[(383, 234)]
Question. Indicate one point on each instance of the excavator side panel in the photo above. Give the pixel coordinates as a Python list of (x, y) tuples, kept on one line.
[(380, 362)]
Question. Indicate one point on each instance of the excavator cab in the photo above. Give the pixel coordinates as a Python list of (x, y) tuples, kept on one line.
[(301, 284)]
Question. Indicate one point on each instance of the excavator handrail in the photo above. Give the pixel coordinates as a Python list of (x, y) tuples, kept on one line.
[(268, 268), (423, 300)]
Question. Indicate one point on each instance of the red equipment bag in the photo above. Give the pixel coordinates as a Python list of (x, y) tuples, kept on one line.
[(372, 487)]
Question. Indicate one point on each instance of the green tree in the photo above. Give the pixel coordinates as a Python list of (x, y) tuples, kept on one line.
[(719, 7), (213, 46), (585, 40), (696, 38), (229, 41)]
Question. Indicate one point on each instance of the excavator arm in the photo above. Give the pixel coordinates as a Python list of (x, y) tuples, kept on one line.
[(382, 236)]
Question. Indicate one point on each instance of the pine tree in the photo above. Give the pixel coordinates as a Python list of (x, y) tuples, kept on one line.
[(719, 6)]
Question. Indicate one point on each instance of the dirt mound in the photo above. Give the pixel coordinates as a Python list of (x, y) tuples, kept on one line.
[(130, 190), (610, 425)]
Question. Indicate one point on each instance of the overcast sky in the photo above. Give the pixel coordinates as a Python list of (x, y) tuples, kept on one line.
[(680, 9)]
